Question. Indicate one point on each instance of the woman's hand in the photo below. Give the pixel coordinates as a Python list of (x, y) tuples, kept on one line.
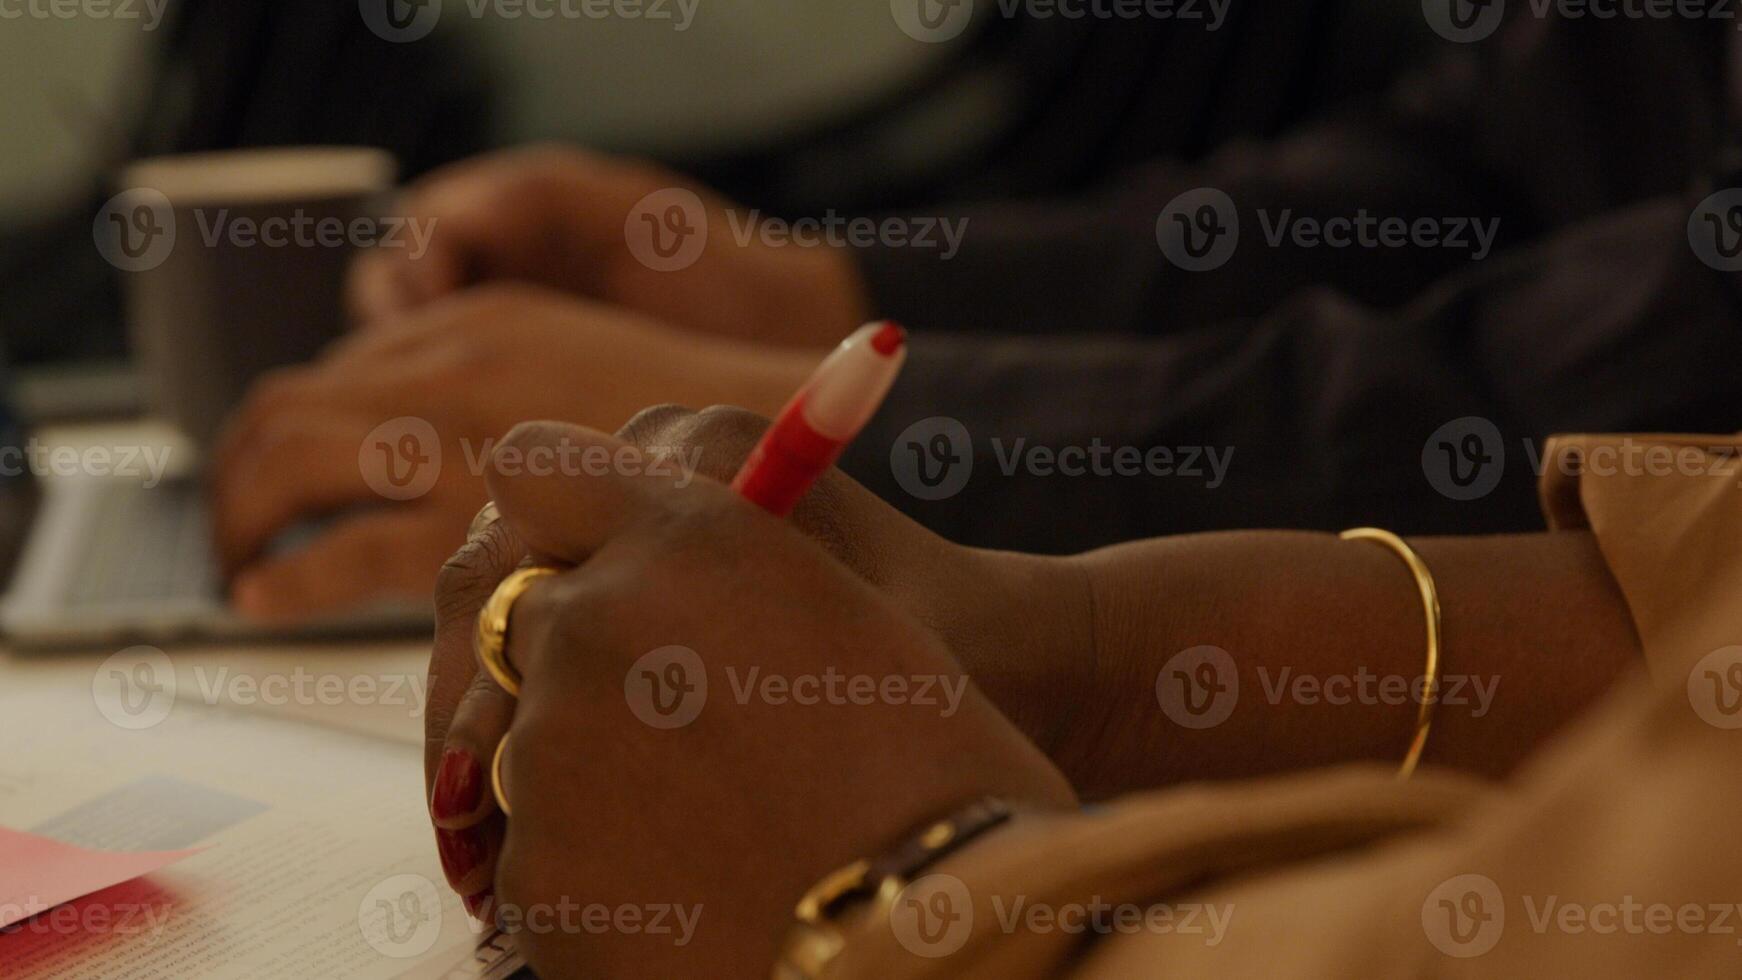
[(389, 431), (1020, 624), (679, 740), (564, 218)]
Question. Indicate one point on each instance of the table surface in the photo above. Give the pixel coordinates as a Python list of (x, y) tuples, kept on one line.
[(328, 663), (375, 689)]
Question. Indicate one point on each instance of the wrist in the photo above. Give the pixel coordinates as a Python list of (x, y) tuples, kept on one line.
[(1026, 637)]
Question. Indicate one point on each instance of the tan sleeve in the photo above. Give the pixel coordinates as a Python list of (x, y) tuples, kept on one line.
[(1667, 514), (1612, 854), (985, 911)]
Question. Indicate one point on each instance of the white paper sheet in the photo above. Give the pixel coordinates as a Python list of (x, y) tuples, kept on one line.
[(320, 861)]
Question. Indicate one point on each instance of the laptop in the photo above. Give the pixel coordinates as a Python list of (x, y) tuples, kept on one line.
[(111, 559)]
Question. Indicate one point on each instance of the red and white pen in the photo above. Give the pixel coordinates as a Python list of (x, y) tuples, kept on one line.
[(823, 418)]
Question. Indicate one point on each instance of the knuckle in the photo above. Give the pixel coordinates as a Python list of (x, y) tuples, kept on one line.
[(654, 424), (724, 416), (467, 577), (532, 434), (724, 423), (727, 434)]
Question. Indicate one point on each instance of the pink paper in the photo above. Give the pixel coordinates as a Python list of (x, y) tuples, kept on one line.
[(36, 873)]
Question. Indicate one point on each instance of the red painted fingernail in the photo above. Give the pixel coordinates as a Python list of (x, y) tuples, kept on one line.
[(889, 339), (459, 786), (461, 851), (477, 906)]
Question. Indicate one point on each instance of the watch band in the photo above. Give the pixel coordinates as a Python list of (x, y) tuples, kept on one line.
[(817, 937)]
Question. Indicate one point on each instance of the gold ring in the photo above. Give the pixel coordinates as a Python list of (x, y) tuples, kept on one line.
[(491, 640), (496, 777)]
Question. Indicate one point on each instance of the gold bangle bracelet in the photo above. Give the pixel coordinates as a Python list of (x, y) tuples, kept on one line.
[(1430, 600)]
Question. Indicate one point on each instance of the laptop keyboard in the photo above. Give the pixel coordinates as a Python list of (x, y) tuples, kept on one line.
[(146, 544)]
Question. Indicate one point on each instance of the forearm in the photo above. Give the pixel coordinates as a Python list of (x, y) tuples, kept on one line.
[(1316, 415), (1327, 642), (1092, 264)]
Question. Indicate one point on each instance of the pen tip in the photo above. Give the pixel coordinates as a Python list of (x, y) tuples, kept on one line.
[(889, 338)]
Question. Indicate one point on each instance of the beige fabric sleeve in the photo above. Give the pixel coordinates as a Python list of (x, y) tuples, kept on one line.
[(1667, 514)]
